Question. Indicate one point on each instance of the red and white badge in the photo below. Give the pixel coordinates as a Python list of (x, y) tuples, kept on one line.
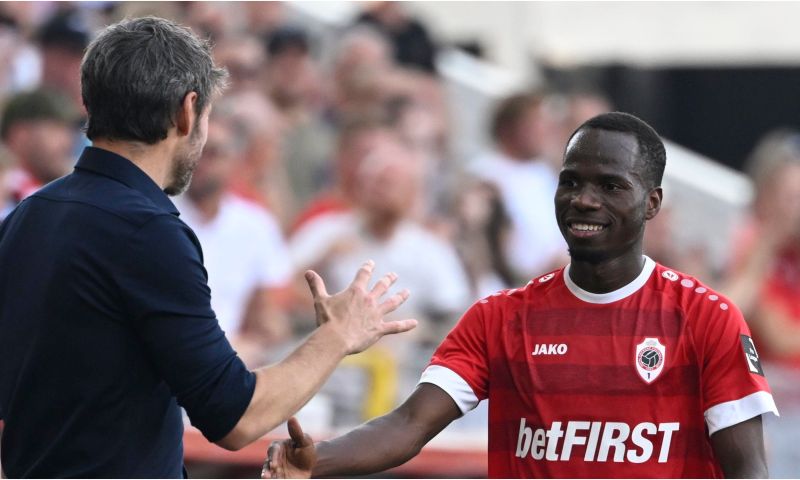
[(650, 357)]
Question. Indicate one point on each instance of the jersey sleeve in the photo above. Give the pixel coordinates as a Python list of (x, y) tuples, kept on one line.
[(460, 366), (734, 388)]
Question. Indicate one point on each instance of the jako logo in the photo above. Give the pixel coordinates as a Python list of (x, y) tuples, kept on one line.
[(603, 441), (550, 349)]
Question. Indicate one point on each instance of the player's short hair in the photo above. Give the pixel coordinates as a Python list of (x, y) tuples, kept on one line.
[(651, 149), (137, 72), (510, 110)]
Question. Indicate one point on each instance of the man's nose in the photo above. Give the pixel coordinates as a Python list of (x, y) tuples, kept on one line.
[(585, 199)]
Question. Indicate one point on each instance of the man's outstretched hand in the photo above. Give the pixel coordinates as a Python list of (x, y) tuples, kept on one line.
[(356, 313), (291, 458)]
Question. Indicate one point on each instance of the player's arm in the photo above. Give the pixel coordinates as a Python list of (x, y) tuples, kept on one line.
[(740, 450), (350, 322), (382, 443)]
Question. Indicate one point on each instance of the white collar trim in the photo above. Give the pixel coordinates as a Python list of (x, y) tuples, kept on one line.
[(619, 294)]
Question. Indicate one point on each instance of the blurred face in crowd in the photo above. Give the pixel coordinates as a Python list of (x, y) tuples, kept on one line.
[(779, 198), (532, 132), (217, 163), (43, 148), (360, 70), (264, 128), (292, 77), (602, 201), (242, 57), (61, 70), (353, 150), (390, 180)]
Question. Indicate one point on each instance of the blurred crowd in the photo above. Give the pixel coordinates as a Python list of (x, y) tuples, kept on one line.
[(323, 155)]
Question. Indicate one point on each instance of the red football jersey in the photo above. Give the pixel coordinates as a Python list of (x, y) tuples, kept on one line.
[(629, 383)]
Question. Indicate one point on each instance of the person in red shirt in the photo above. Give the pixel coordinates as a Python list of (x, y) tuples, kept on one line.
[(613, 366)]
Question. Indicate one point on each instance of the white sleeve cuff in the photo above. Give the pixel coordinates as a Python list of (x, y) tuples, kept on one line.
[(726, 414), (453, 384)]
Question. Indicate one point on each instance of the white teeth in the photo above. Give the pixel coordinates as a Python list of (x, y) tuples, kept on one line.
[(584, 227)]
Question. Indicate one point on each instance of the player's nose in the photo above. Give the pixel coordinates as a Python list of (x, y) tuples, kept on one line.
[(585, 199)]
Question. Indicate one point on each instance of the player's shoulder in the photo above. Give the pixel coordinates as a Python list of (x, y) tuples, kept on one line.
[(537, 288), (689, 294)]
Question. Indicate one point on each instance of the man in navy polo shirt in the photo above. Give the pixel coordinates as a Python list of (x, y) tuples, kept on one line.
[(105, 318)]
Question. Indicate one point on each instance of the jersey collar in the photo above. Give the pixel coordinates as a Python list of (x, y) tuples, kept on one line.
[(619, 294)]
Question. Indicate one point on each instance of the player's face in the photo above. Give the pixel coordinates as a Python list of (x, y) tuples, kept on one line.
[(602, 202)]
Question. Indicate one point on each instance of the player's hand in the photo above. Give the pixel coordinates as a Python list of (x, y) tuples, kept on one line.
[(291, 458), (356, 313)]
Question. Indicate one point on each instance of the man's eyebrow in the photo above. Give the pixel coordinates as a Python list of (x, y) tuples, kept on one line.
[(615, 178)]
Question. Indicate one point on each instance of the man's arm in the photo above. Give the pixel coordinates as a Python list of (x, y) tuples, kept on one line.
[(740, 450), (380, 444), (350, 322)]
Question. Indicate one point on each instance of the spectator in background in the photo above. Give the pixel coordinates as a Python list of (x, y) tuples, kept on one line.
[(413, 46), (358, 138), (521, 129), (765, 277), (482, 228), (764, 281), (243, 57), (388, 189), (263, 17), (63, 39), (243, 249), (260, 176), (362, 64), (38, 128), (294, 85), (20, 64)]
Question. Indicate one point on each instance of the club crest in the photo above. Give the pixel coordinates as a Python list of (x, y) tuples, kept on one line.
[(650, 357)]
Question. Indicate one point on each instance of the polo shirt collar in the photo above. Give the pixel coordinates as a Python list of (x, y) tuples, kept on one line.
[(121, 169)]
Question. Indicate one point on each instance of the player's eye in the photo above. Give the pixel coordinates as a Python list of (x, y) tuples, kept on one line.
[(612, 187), (567, 183)]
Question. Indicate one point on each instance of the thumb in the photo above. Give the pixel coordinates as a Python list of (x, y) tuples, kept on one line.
[(316, 284), (296, 432)]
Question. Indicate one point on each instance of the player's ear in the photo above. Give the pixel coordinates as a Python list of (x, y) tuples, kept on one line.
[(654, 198)]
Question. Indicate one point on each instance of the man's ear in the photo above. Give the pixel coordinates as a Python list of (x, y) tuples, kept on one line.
[(654, 199), (187, 115)]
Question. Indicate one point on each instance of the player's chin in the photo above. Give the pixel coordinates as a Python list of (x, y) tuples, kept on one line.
[(588, 254)]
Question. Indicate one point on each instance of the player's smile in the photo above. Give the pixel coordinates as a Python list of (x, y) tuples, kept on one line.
[(585, 229)]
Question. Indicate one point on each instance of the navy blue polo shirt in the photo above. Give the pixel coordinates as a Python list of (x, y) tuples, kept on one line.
[(106, 328)]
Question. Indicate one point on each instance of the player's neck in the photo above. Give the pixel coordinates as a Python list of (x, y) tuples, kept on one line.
[(608, 275)]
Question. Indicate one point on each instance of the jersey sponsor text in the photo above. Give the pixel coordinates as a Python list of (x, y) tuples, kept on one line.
[(604, 441)]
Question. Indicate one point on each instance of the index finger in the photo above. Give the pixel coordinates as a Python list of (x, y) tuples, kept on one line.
[(364, 274)]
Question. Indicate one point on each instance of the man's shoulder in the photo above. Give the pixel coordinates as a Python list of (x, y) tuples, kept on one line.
[(95, 196)]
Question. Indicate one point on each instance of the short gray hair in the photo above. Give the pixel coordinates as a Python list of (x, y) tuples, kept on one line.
[(136, 73)]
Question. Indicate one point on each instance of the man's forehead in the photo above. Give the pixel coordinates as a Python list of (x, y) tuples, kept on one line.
[(602, 147)]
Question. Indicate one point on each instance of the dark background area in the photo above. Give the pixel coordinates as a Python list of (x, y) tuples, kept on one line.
[(717, 111)]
